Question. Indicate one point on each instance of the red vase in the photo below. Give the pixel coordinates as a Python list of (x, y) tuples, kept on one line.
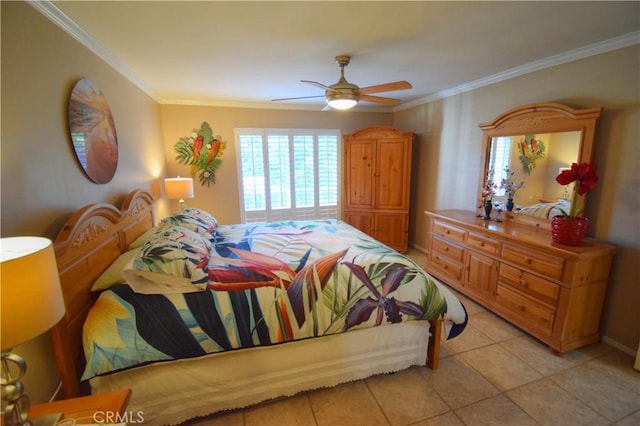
[(568, 230)]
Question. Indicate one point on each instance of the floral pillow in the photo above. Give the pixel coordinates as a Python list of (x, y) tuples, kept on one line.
[(201, 214), (200, 223), (174, 260)]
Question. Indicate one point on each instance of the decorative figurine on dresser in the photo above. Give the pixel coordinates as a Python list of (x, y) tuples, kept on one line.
[(555, 292)]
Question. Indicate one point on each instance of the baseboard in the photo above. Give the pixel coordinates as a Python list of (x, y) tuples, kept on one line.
[(418, 247), (619, 346)]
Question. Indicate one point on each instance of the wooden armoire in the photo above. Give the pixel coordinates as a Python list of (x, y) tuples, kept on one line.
[(377, 183)]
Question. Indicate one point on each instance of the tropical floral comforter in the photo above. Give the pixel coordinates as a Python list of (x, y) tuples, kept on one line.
[(253, 285)]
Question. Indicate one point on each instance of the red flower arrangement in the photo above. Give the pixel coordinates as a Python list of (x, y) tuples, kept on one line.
[(585, 178)]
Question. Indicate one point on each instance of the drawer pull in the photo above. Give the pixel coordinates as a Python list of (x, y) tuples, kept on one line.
[(527, 260), (524, 283), (446, 249), (481, 243), (447, 231)]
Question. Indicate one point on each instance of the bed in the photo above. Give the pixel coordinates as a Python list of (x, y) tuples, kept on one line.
[(197, 317), (546, 210)]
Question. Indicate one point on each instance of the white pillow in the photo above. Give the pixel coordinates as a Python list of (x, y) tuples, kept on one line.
[(114, 273)]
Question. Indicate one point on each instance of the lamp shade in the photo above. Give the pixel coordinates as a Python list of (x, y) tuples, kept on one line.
[(178, 188), (30, 294)]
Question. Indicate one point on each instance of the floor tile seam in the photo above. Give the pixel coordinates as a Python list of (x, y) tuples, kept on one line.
[(586, 403), (417, 422), (500, 391), (488, 379), (595, 358), (373, 395), (506, 394), (313, 412), (454, 352), (434, 390), (532, 366)]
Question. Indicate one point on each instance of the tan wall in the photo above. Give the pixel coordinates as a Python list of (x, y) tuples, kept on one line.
[(448, 151), (222, 199), (42, 183)]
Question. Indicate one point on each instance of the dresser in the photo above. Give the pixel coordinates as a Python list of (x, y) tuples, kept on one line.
[(551, 291), (377, 183)]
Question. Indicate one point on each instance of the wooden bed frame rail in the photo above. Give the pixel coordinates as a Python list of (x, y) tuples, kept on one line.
[(91, 240)]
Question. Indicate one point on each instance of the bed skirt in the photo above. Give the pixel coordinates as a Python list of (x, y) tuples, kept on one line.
[(173, 392)]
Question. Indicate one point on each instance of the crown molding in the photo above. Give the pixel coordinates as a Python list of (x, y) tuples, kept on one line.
[(268, 105), (55, 15), (559, 59)]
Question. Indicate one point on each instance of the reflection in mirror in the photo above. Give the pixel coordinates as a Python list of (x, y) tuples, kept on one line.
[(531, 144), (533, 161)]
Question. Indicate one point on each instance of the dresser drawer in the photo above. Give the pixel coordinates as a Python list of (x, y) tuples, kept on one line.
[(446, 249), (545, 264), (445, 266), (448, 231), (531, 312), (483, 243), (537, 287)]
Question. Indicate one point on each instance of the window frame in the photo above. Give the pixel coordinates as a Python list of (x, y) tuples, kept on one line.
[(270, 214), (499, 174)]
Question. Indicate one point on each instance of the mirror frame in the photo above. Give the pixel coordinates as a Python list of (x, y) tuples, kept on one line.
[(535, 119)]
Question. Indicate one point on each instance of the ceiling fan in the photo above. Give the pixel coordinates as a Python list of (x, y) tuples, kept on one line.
[(344, 95)]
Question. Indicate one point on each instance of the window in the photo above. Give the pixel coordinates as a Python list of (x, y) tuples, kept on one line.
[(288, 174), (499, 161)]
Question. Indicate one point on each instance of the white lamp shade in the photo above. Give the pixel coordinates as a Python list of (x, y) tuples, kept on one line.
[(178, 188), (31, 299)]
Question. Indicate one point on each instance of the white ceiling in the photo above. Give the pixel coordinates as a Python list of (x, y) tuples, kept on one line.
[(247, 53)]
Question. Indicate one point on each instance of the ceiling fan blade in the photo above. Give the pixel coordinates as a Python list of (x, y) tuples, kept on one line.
[(386, 87), (315, 83), (380, 100), (300, 97)]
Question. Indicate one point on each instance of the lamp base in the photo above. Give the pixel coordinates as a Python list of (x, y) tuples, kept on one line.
[(46, 419)]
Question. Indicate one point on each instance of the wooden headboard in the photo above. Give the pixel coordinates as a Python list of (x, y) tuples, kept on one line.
[(89, 242)]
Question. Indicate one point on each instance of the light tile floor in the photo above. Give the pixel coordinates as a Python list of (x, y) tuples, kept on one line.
[(492, 374)]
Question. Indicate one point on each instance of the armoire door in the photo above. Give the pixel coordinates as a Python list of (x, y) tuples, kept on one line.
[(360, 157), (391, 177)]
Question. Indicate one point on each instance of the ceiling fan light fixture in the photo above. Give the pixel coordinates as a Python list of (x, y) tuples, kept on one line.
[(342, 104), (342, 101)]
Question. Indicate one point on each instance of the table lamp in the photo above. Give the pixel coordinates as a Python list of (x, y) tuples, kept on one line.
[(178, 189), (31, 303), (565, 188)]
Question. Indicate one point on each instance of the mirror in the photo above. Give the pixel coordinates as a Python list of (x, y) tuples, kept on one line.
[(532, 143)]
